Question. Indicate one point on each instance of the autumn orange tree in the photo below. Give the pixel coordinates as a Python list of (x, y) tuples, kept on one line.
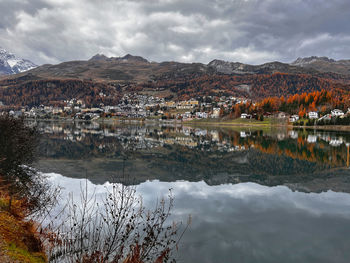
[(302, 103)]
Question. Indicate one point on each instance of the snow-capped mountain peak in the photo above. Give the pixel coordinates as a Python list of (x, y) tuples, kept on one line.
[(11, 64)]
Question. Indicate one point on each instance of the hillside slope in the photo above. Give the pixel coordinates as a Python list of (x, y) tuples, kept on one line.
[(113, 77)]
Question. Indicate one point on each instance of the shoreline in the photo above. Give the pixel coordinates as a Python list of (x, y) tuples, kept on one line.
[(215, 123), (270, 124), (325, 127)]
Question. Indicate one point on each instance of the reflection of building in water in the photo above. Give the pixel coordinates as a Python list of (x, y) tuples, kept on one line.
[(200, 132), (186, 141), (311, 138), (293, 134), (281, 136), (244, 134), (186, 131), (149, 137), (336, 141), (214, 135)]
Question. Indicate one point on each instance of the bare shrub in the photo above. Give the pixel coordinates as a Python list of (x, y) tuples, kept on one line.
[(118, 229)]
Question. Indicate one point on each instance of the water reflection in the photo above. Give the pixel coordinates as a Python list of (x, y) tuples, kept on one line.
[(310, 161), (254, 195), (248, 222)]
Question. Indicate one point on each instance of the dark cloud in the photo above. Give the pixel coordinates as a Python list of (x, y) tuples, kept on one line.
[(251, 31)]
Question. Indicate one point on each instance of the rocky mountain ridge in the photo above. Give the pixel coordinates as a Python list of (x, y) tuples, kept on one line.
[(324, 64), (137, 69), (117, 76), (309, 60), (126, 58), (11, 64)]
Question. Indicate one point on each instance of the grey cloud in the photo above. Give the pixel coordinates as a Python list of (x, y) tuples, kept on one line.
[(250, 31)]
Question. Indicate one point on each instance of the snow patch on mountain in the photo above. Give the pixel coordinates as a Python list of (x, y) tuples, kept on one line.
[(11, 64)]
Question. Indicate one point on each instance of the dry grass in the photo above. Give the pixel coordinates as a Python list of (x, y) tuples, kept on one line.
[(18, 239)]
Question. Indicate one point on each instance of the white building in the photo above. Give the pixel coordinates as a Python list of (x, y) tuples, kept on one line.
[(57, 110), (313, 115), (216, 113), (294, 118), (67, 109), (281, 115), (246, 116), (187, 115), (202, 115), (337, 113)]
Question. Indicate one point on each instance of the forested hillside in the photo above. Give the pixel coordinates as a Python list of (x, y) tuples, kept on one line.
[(54, 92), (113, 77), (252, 86)]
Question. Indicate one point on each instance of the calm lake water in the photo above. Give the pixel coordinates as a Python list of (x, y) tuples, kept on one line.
[(254, 195)]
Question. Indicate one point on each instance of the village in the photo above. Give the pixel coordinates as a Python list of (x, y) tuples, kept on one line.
[(141, 107), (136, 106)]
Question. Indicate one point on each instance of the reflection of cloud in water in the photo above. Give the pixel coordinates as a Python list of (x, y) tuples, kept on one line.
[(248, 222)]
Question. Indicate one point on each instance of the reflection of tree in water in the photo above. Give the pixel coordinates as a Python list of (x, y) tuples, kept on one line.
[(217, 156), (320, 152), (98, 143)]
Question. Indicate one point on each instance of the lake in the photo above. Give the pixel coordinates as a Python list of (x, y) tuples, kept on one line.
[(271, 195)]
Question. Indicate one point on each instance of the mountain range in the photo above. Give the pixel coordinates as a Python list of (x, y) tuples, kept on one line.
[(119, 75), (11, 64), (138, 69), (118, 68)]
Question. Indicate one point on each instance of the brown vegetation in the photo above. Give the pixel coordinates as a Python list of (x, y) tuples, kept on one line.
[(55, 91), (19, 241)]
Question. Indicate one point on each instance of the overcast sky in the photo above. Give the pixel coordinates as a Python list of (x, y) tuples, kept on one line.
[(249, 31)]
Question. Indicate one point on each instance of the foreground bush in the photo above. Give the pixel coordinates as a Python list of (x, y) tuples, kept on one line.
[(118, 229)]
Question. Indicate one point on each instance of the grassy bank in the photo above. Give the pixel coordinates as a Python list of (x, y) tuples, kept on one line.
[(267, 123), (234, 123), (18, 238)]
